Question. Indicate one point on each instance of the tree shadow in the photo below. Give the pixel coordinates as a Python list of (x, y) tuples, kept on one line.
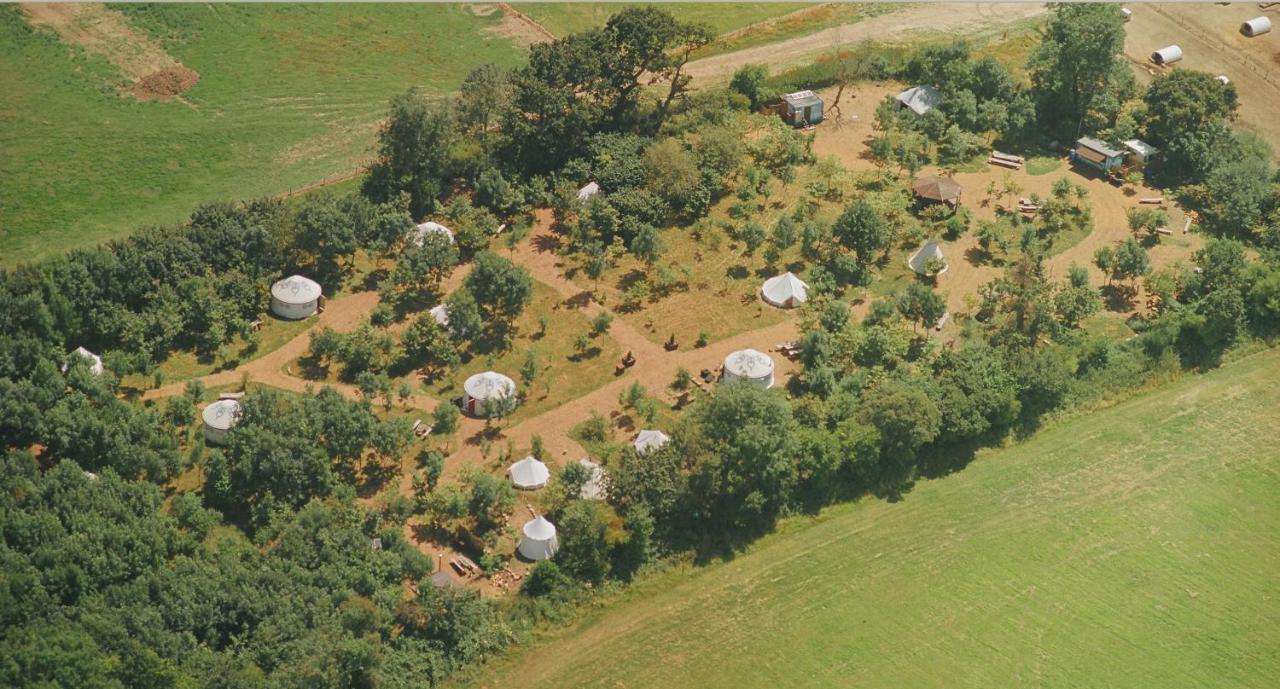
[(579, 300), (1118, 298), (630, 279), (311, 368), (546, 243), (977, 257), (738, 272)]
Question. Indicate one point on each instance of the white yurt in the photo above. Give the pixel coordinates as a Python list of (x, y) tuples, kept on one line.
[(749, 365), (649, 439), (1256, 26), (218, 418), (485, 386), (441, 314), (1167, 55), (529, 473), (95, 361), (295, 297), (540, 541), (594, 488), (586, 193), (921, 257), (785, 291), (419, 232)]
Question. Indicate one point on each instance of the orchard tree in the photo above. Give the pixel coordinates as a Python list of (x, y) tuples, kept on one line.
[(1187, 114), (861, 229), (501, 288), (921, 305), (1079, 65), (427, 345), (413, 151), (483, 99)]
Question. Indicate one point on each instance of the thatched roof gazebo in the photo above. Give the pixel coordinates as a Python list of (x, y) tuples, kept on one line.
[(935, 189)]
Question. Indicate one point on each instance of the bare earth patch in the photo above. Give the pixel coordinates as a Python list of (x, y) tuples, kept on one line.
[(153, 73), (516, 27)]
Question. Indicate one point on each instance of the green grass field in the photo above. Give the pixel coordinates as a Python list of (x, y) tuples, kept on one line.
[(1134, 547), (288, 95), (563, 19)]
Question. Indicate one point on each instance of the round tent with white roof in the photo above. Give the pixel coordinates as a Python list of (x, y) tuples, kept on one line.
[(94, 361), (218, 418), (484, 387), (785, 291), (648, 439), (588, 192), (295, 297), (540, 541), (419, 232), (529, 473), (594, 488), (749, 365)]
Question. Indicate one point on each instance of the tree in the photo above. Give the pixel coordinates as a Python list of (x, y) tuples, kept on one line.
[(1147, 220), (326, 235), (584, 546), (921, 305), (464, 313), (501, 288), (483, 99), (906, 419), (413, 149), (672, 172), (752, 236), (1131, 261), (529, 368), (749, 81), (1077, 300), (647, 244), (489, 499), (863, 230), (1079, 64), (426, 344), (421, 269), (444, 420), (1186, 117), (600, 322)]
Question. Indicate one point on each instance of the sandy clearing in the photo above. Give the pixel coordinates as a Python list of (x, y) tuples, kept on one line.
[(930, 19)]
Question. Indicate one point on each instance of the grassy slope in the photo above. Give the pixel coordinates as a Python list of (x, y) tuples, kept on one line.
[(288, 95), (563, 19), (1135, 547)]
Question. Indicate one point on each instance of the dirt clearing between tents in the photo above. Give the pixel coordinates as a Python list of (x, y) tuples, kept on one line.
[(1210, 38), (153, 73)]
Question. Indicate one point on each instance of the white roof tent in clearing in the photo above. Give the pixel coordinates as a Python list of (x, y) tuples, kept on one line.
[(648, 440), (540, 541), (295, 297), (418, 234), (483, 387), (95, 361), (785, 291), (749, 366), (529, 473)]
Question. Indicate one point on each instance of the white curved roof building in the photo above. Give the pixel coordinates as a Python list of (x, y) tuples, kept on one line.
[(419, 232), (1256, 26), (785, 291), (749, 365), (649, 439), (1167, 55), (218, 418), (295, 297), (540, 541), (95, 361), (529, 473), (482, 387), (595, 488), (586, 193)]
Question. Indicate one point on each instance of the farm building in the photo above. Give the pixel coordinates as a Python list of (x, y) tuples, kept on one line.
[(295, 297), (595, 487), (920, 99), (647, 440), (750, 366), (1139, 153), (540, 541), (588, 192), (919, 261), (218, 418), (529, 473), (935, 189), (95, 361), (785, 291), (1167, 55), (802, 108), (419, 232), (1256, 26), (1096, 154), (483, 387)]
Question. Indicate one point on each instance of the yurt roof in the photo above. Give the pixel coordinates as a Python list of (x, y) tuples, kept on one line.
[(296, 289), (594, 487), (780, 288), (649, 439), (221, 415), (937, 188), (749, 363), (921, 99), (585, 193), (421, 230), (926, 252), (529, 473), (489, 385), (95, 361)]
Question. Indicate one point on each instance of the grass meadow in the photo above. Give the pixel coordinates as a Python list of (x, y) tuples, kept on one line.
[(1133, 547), (288, 95)]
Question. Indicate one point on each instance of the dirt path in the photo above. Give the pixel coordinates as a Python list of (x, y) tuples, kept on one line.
[(152, 72), (945, 19)]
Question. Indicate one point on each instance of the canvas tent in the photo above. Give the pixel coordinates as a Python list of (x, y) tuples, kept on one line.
[(785, 291), (647, 440), (419, 233), (295, 297), (95, 361), (595, 487), (1167, 55), (749, 365), (920, 99), (802, 108), (921, 257), (529, 473), (218, 418), (935, 189), (483, 387), (586, 193), (540, 541), (1256, 26)]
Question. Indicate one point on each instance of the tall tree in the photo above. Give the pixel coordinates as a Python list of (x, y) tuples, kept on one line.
[(413, 149), (1079, 63), (501, 288), (483, 99)]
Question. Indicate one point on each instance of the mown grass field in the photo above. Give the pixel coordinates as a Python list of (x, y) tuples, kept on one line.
[(288, 95), (1134, 547), (563, 19)]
